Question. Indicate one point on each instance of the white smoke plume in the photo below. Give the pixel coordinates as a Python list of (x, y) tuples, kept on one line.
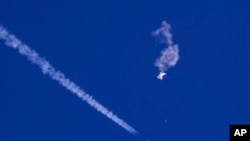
[(48, 69), (170, 55)]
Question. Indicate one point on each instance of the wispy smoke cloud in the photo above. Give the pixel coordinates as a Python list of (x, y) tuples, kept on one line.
[(48, 69), (170, 55)]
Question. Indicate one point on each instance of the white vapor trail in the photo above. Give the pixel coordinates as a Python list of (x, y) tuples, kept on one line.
[(170, 55), (48, 69)]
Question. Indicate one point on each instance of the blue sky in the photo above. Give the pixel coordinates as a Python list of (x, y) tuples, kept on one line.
[(106, 47)]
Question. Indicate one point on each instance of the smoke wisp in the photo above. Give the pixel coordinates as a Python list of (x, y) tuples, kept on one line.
[(170, 55), (48, 69)]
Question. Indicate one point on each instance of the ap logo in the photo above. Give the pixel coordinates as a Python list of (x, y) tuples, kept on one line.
[(239, 132)]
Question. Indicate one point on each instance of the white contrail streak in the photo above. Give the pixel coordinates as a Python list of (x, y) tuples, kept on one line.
[(48, 69), (170, 55)]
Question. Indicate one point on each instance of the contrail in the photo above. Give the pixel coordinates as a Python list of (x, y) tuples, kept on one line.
[(170, 55), (48, 69)]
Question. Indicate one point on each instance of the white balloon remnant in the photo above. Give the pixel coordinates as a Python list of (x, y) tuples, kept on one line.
[(160, 76)]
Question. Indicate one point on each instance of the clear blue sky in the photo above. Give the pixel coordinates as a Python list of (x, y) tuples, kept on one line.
[(106, 47)]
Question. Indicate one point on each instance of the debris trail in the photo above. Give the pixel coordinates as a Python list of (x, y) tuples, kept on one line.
[(48, 69), (170, 55)]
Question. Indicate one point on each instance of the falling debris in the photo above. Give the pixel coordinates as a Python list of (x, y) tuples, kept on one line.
[(170, 55), (160, 76)]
